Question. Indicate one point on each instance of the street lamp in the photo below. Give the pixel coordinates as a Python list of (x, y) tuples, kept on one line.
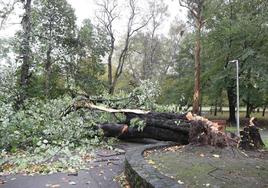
[(237, 94)]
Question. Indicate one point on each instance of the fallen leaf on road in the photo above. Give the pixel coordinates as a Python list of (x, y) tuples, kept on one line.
[(216, 156), (55, 186), (72, 183), (151, 162), (73, 174)]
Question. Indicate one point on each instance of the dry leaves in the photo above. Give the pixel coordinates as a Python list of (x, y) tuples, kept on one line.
[(151, 162)]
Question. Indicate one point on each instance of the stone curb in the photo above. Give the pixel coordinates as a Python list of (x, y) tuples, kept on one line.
[(142, 175)]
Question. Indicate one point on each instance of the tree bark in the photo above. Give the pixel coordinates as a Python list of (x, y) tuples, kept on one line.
[(122, 131), (48, 62), (248, 110), (25, 51), (231, 101), (250, 137), (110, 67), (48, 65), (196, 97), (216, 108), (181, 128)]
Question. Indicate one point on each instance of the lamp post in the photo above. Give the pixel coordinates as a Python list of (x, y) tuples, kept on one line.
[(237, 94)]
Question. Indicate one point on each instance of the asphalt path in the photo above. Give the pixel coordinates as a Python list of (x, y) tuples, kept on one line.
[(101, 174)]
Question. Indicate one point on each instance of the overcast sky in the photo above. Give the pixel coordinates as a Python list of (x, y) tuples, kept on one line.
[(87, 8)]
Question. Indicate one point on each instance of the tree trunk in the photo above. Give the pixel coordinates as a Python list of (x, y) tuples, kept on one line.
[(250, 137), (181, 128), (263, 111), (248, 111), (231, 101), (216, 106), (25, 51), (48, 72), (122, 131), (110, 67), (248, 101), (112, 88), (196, 98), (221, 110)]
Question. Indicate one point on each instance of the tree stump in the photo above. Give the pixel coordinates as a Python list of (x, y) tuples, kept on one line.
[(250, 137)]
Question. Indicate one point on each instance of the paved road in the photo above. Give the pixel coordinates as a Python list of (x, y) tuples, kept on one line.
[(264, 134), (101, 174)]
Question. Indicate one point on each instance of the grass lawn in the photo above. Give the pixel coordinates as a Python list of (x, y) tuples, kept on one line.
[(262, 120), (225, 115), (206, 166), (263, 132)]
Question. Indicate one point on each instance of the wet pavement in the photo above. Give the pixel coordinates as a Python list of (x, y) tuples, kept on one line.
[(101, 174)]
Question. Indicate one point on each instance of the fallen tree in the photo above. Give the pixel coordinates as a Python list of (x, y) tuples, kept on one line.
[(181, 128)]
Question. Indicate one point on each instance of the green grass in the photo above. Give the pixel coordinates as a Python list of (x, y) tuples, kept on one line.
[(265, 141), (230, 170), (262, 121), (234, 130), (225, 115), (231, 129)]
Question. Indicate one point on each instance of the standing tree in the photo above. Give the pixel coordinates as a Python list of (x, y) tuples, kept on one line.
[(196, 9), (91, 48), (25, 51), (54, 25), (147, 51), (108, 15), (109, 12), (6, 9), (225, 40)]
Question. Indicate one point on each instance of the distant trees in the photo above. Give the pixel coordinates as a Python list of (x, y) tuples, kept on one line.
[(148, 48), (6, 9), (224, 40), (53, 27), (55, 56), (109, 12), (91, 47)]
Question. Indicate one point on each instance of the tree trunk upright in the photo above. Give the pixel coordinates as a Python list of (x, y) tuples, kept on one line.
[(249, 110), (196, 11), (48, 71), (110, 68), (216, 108), (197, 95), (231, 101), (25, 51)]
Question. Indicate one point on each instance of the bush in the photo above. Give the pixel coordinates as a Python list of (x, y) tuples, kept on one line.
[(41, 123)]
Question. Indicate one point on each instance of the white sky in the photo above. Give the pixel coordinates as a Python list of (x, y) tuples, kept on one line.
[(87, 8)]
